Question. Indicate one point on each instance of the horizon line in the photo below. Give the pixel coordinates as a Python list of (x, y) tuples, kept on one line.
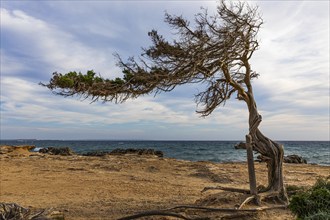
[(36, 139)]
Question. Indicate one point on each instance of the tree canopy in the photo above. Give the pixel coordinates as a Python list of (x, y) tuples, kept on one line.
[(213, 51)]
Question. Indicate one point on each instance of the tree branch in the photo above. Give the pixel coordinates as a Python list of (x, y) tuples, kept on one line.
[(213, 52)]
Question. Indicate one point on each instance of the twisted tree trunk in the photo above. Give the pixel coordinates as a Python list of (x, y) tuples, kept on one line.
[(270, 150)]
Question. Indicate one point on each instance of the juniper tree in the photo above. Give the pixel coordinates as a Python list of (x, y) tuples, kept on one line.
[(214, 51)]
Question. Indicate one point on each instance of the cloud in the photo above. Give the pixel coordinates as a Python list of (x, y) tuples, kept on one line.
[(31, 102), (29, 105), (292, 90), (45, 45), (293, 60)]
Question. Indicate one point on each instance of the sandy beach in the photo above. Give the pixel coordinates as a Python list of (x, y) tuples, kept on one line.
[(111, 187)]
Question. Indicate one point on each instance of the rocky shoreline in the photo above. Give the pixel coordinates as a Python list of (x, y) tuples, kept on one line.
[(66, 151)]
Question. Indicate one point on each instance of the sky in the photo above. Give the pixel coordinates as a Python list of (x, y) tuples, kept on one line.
[(41, 37)]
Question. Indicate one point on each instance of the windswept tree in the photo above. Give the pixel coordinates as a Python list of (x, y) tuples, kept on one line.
[(214, 51)]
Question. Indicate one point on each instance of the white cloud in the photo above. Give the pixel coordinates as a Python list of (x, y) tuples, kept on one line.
[(31, 102), (30, 106), (48, 44), (293, 62)]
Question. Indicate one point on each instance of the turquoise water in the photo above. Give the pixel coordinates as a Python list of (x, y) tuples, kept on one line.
[(216, 151)]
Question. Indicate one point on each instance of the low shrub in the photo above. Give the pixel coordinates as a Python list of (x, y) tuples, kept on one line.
[(294, 190), (314, 203)]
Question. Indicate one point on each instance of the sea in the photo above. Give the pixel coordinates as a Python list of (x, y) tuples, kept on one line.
[(316, 152)]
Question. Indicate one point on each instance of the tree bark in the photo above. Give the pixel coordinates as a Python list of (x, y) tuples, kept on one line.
[(252, 174), (271, 150)]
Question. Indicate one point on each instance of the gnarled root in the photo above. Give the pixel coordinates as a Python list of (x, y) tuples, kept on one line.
[(171, 212), (230, 189), (256, 198), (156, 213), (261, 196)]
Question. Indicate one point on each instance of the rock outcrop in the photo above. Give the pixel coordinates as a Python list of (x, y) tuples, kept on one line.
[(294, 159), (64, 151), (240, 145), (22, 149), (96, 153), (119, 151)]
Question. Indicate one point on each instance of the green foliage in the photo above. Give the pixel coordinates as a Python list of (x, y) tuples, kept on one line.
[(293, 190), (118, 81), (65, 82), (74, 80), (127, 75), (313, 204), (318, 216)]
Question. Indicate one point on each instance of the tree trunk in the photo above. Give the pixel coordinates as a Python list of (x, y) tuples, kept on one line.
[(274, 153), (270, 150)]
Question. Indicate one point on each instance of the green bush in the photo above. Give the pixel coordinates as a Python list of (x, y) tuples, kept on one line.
[(318, 216), (314, 203), (294, 190)]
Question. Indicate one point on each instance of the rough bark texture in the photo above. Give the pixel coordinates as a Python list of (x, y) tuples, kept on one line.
[(252, 175), (271, 150)]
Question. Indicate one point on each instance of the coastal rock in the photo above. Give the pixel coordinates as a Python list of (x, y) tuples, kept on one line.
[(21, 149), (96, 153), (294, 159), (64, 151), (120, 151), (287, 159), (240, 145)]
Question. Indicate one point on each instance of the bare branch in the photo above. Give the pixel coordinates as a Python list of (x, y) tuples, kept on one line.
[(212, 51)]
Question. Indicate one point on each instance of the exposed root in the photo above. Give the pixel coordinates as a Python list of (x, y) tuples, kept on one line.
[(156, 213), (230, 189), (170, 212), (268, 194), (15, 211), (227, 209), (262, 194), (245, 215), (39, 214), (248, 199)]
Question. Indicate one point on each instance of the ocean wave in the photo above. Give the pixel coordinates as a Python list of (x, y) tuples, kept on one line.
[(36, 149)]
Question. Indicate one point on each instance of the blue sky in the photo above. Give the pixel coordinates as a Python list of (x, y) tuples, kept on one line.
[(41, 37)]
